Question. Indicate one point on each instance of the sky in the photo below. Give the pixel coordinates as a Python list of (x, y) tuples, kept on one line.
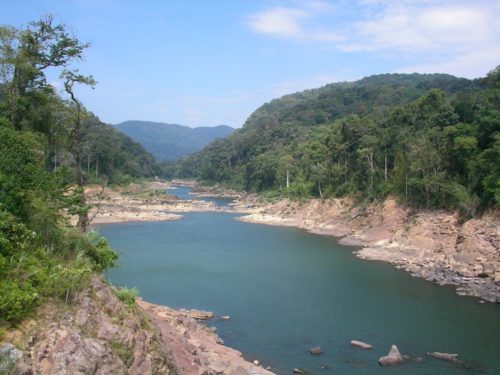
[(206, 63)]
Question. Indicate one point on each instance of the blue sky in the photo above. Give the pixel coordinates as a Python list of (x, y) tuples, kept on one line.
[(204, 63)]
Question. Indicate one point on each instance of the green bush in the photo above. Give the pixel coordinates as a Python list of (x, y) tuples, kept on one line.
[(127, 295)]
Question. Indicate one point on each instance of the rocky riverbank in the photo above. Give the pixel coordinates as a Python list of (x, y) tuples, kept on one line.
[(435, 245), (147, 202), (96, 333)]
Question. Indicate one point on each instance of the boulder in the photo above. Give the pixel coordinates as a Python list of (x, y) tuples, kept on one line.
[(445, 356), (316, 350), (298, 371), (9, 355), (360, 344), (393, 358), (198, 314)]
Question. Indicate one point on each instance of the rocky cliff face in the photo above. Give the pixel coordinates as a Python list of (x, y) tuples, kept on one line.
[(435, 245), (96, 333)]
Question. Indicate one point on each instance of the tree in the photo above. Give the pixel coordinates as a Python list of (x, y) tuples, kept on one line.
[(70, 79), (25, 57)]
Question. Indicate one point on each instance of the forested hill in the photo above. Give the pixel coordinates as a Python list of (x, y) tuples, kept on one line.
[(169, 141), (50, 148), (431, 139)]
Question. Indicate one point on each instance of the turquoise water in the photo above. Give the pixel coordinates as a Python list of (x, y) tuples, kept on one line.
[(287, 290)]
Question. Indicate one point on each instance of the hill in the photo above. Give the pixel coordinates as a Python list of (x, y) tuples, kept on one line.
[(431, 139), (169, 141)]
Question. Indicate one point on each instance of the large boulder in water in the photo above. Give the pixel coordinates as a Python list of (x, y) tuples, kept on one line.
[(393, 358)]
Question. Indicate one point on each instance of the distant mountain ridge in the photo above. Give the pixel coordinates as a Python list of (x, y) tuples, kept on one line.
[(171, 141)]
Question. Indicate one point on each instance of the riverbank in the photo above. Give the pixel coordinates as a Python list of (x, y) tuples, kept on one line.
[(97, 333), (140, 202), (434, 245)]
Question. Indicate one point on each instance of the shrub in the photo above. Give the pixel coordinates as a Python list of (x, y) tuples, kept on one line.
[(127, 295)]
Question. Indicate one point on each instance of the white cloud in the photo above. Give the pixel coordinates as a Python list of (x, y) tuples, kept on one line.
[(454, 36), (280, 22), (469, 65), (416, 29), (292, 23)]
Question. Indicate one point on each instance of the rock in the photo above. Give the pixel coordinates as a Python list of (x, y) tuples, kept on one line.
[(256, 363), (316, 350), (298, 371), (393, 358), (225, 317), (9, 355), (419, 359), (198, 314), (360, 344), (445, 356)]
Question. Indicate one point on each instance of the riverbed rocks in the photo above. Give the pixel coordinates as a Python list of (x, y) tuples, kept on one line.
[(435, 245), (393, 358), (197, 314), (194, 346), (445, 356), (316, 350), (361, 345), (98, 334)]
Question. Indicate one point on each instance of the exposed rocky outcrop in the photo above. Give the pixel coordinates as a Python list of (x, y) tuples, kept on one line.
[(147, 202), (196, 348), (393, 358), (434, 245), (95, 334), (98, 334)]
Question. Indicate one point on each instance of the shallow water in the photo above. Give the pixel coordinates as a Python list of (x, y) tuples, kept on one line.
[(287, 290)]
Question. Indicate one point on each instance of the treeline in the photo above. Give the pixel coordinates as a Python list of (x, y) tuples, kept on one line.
[(431, 140), (50, 146)]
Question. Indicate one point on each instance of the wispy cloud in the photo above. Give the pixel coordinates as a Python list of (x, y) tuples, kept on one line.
[(280, 22), (292, 23), (416, 29), (454, 35)]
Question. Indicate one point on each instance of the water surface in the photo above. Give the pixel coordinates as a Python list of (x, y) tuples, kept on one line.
[(287, 290)]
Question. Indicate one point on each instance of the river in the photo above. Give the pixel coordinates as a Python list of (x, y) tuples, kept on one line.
[(287, 290)]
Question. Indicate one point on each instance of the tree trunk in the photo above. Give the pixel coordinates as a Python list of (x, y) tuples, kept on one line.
[(287, 179), (406, 184), (83, 218), (319, 188), (369, 157), (385, 167)]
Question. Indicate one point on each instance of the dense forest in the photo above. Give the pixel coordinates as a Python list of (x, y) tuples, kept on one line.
[(50, 147), (433, 140), (170, 141)]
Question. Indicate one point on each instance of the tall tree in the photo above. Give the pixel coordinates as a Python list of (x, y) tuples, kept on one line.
[(70, 79)]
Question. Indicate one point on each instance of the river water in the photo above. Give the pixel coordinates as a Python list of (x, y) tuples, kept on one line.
[(287, 290)]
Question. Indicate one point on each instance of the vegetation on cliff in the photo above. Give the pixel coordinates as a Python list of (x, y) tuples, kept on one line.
[(433, 140), (49, 147)]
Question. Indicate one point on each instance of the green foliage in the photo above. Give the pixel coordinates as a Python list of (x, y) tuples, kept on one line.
[(127, 295), (432, 140), (169, 141), (41, 257)]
